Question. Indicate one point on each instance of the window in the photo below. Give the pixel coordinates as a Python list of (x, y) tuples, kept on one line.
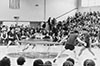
[(89, 3)]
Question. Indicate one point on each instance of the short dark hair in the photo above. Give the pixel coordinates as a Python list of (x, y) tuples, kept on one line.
[(5, 62), (38, 62), (68, 63), (48, 63), (20, 60), (89, 62), (72, 60)]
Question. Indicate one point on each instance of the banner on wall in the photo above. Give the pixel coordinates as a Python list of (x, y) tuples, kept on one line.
[(14, 4)]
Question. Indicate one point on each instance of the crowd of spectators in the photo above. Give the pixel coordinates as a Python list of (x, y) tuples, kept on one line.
[(56, 29), (87, 20), (39, 62), (15, 32)]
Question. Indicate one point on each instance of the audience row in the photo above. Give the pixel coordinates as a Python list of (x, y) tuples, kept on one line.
[(38, 62)]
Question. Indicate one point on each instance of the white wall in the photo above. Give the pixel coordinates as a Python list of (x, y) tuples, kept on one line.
[(28, 10), (56, 8)]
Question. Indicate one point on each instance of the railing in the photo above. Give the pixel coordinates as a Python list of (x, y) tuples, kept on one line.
[(66, 13)]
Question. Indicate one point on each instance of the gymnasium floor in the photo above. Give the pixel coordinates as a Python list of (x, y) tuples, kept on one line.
[(29, 62)]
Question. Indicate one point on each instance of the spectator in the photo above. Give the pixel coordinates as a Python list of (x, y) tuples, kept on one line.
[(12, 36), (89, 62), (48, 63), (23, 35), (38, 62), (68, 63), (32, 31), (72, 60), (4, 36), (21, 61), (5, 62)]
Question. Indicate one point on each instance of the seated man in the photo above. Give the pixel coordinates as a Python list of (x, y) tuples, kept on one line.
[(12, 37)]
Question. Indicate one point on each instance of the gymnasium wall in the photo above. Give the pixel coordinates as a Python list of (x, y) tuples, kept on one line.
[(29, 12), (56, 8)]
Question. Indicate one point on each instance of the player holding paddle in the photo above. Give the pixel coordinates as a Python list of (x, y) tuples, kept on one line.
[(70, 43), (88, 41)]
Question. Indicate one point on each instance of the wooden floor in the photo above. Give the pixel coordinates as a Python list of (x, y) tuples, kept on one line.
[(86, 54)]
